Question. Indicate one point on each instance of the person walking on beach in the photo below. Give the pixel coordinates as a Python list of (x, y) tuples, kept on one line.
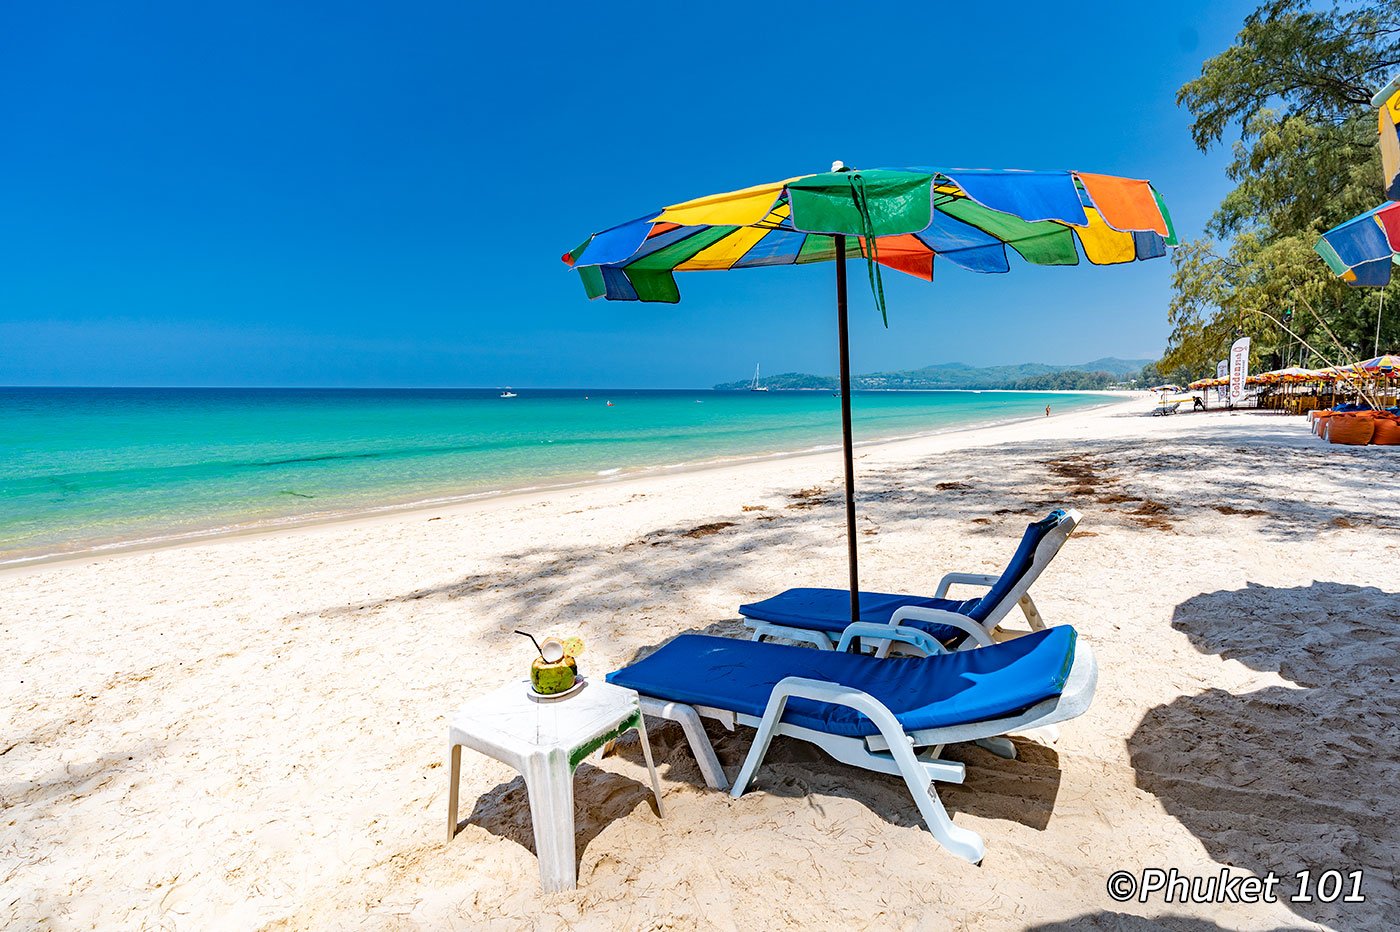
[(1047, 410)]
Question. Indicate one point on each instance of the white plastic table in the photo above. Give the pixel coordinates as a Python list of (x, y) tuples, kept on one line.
[(546, 741)]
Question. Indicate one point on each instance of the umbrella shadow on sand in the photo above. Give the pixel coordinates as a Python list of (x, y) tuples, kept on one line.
[(992, 495), (1021, 790), (1289, 777)]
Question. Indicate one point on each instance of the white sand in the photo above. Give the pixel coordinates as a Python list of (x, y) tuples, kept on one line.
[(251, 732)]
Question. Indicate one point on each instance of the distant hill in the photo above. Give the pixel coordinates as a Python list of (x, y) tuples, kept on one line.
[(1098, 373)]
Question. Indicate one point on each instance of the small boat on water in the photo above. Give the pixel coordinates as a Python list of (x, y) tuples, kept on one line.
[(508, 393), (754, 386)]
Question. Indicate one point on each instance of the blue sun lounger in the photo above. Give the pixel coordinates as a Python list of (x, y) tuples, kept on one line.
[(892, 716), (818, 616)]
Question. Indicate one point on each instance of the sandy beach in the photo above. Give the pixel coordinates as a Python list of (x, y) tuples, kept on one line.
[(251, 732)]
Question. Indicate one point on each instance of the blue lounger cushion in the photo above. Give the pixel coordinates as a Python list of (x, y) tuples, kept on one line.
[(830, 609), (923, 692)]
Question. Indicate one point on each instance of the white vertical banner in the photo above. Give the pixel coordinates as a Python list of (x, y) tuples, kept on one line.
[(1221, 369), (1239, 368)]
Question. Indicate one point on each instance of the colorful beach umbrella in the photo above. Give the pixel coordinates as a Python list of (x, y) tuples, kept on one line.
[(893, 218), (1380, 367), (1361, 251), (1288, 376), (1386, 365), (1388, 102)]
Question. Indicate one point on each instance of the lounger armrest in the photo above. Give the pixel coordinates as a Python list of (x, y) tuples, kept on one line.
[(965, 579), (941, 617), (834, 694), (886, 632)]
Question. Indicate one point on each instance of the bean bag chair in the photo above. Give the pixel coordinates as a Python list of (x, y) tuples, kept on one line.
[(1386, 432), (1350, 429)]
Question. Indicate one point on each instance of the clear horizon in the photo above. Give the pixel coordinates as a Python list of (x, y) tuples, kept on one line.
[(566, 387), (259, 195)]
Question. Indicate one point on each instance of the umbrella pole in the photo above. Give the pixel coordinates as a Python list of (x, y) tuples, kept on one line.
[(844, 339), (1380, 309)]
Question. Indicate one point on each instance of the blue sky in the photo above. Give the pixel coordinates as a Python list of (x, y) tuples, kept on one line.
[(378, 194)]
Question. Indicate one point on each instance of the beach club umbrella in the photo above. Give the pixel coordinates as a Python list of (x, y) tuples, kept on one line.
[(1288, 376), (892, 218), (1384, 366)]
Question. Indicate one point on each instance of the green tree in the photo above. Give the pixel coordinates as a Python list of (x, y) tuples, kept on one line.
[(1295, 89), (1149, 376), (1068, 379)]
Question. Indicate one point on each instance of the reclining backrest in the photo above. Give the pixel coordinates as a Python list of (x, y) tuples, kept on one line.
[(1027, 558)]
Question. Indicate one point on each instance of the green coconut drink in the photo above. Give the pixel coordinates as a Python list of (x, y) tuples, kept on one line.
[(555, 670)]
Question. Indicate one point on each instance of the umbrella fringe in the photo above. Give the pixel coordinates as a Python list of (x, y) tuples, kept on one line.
[(872, 250)]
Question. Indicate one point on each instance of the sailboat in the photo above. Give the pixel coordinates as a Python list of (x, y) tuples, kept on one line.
[(754, 386)]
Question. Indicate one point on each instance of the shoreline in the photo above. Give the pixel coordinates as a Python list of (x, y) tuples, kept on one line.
[(465, 500)]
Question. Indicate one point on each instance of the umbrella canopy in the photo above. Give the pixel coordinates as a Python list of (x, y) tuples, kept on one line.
[(1344, 374), (893, 218), (967, 216), (1386, 365), (1360, 251), (1288, 376), (1389, 114)]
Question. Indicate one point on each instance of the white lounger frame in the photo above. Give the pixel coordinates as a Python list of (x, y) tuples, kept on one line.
[(1019, 595), (892, 751)]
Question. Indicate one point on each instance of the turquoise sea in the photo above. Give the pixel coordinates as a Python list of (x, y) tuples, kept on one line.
[(86, 468)]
